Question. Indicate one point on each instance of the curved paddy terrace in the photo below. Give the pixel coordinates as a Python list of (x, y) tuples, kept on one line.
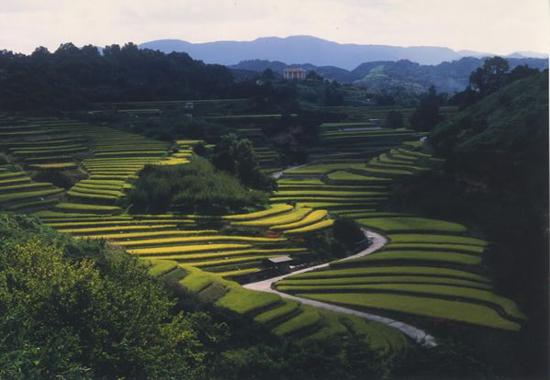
[(429, 269)]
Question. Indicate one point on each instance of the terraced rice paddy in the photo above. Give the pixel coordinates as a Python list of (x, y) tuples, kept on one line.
[(178, 238), (430, 268), (90, 209), (18, 192)]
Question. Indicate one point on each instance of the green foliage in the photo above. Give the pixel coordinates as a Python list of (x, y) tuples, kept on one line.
[(81, 75), (200, 149), (313, 76), (196, 186), (394, 119), (346, 358), (499, 129), (348, 232), (57, 178), (427, 115), (490, 77), (332, 96), (496, 180), (324, 246), (78, 310), (236, 156)]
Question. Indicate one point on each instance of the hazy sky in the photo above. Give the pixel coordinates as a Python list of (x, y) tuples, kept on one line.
[(499, 26)]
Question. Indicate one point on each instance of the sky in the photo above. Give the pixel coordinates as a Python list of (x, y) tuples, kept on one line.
[(494, 26)]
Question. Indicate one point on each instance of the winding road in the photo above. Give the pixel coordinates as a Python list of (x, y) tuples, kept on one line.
[(377, 242)]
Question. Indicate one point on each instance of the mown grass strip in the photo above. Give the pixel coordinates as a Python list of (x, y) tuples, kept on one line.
[(423, 306), (406, 256), (461, 248), (412, 224), (436, 239), (307, 319), (404, 279), (392, 271)]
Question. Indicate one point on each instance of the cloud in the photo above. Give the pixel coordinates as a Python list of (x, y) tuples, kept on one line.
[(500, 26)]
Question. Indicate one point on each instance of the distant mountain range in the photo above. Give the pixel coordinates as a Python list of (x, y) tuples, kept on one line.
[(384, 76), (313, 50)]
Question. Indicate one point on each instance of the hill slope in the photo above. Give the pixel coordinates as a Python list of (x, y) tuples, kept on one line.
[(302, 49), (497, 180), (317, 51), (381, 76), (513, 120)]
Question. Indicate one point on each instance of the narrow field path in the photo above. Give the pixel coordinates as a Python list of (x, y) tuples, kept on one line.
[(377, 242), (280, 173)]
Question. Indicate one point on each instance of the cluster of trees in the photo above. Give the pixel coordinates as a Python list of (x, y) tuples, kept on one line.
[(236, 156), (71, 77), (344, 239), (268, 94), (489, 78), (193, 187), (426, 115), (485, 80), (293, 134)]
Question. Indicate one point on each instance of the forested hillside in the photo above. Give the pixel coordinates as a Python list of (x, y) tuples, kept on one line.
[(496, 178)]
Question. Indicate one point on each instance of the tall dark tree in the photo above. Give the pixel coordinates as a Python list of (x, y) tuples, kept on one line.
[(332, 95), (394, 119), (236, 156), (312, 75), (268, 74), (426, 116), (490, 77)]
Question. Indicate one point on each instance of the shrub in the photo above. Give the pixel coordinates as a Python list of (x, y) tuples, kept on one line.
[(196, 186), (348, 232), (55, 177)]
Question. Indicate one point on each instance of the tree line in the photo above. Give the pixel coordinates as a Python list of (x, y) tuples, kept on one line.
[(71, 77)]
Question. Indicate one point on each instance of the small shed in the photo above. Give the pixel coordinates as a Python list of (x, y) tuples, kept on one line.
[(280, 264)]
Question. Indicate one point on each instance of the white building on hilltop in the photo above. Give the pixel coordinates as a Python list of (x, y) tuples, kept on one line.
[(291, 73)]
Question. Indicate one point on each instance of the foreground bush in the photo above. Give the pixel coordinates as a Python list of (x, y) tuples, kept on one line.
[(79, 310)]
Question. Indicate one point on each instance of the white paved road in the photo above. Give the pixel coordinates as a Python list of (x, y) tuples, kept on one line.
[(378, 241)]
